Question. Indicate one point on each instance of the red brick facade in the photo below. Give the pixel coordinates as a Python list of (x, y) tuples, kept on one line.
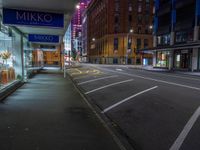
[(109, 24)]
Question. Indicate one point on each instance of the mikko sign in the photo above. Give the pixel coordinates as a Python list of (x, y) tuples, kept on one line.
[(32, 18), (43, 38)]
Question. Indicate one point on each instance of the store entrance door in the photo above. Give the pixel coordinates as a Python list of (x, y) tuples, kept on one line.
[(185, 59), (182, 59)]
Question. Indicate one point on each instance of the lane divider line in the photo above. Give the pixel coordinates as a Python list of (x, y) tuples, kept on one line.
[(156, 80), (183, 135), (89, 81), (109, 85), (127, 99)]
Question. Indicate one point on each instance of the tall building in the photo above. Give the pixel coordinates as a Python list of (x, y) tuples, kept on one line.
[(76, 23), (68, 39), (84, 37), (176, 34), (117, 29)]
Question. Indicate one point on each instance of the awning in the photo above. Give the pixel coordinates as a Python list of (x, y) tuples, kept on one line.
[(174, 47)]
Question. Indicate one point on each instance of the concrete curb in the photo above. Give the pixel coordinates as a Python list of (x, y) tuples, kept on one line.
[(9, 90)]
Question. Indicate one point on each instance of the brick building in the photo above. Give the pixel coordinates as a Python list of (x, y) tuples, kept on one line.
[(117, 29)]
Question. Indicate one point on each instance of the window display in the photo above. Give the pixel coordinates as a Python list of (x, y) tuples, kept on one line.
[(10, 56), (28, 57), (162, 59)]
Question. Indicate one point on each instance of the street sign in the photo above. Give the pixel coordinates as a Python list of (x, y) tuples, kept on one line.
[(32, 18), (43, 38)]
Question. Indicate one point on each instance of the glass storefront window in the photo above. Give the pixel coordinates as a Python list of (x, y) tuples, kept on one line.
[(10, 56), (162, 59), (28, 57), (182, 59)]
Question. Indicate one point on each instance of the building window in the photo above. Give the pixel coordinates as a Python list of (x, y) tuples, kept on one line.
[(130, 18), (184, 36), (147, 8), (139, 30), (146, 30), (116, 19), (117, 6), (116, 29), (163, 39), (116, 43), (147, 19), (130, 8), (139, 19), (139, 44), (146, 43), (139, 8)]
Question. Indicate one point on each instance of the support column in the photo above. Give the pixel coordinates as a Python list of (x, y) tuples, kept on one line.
[(154, 59), (172, 35), (195, 59), (196, 33), (171, 60), (154, 41)]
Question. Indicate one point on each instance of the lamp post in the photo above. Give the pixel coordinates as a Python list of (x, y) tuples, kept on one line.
[(93, 44), (127, 51)]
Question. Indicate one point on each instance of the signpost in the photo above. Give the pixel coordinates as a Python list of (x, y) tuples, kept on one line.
[(32, 18)]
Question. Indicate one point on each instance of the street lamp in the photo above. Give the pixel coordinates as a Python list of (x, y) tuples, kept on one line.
[(77, 6), (127, 51), (93, 39)]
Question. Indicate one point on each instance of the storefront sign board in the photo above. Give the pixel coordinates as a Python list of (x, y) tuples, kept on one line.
[(43, 38), (32, 18)]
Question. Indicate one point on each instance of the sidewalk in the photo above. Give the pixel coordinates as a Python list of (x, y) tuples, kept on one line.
[(48, 113), (189, 73)]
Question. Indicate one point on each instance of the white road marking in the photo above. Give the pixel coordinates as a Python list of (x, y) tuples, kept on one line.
[(157, 80), (106, 86), (179, 141), (119, 69), (89, 81), (82, 77), (127, 99), (77, 73), (175, 76)]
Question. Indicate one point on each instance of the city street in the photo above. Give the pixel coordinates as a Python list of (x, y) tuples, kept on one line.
[(152, 110)]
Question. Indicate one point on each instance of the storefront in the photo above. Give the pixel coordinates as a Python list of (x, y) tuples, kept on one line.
[(28, 58), (162, 59), (11, 68), (182, 59)]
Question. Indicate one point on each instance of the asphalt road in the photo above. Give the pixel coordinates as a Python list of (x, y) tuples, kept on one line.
[(155, 110)]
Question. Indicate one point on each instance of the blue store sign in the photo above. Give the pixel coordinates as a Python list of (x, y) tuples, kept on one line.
[(32, 18), (43, 38)]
